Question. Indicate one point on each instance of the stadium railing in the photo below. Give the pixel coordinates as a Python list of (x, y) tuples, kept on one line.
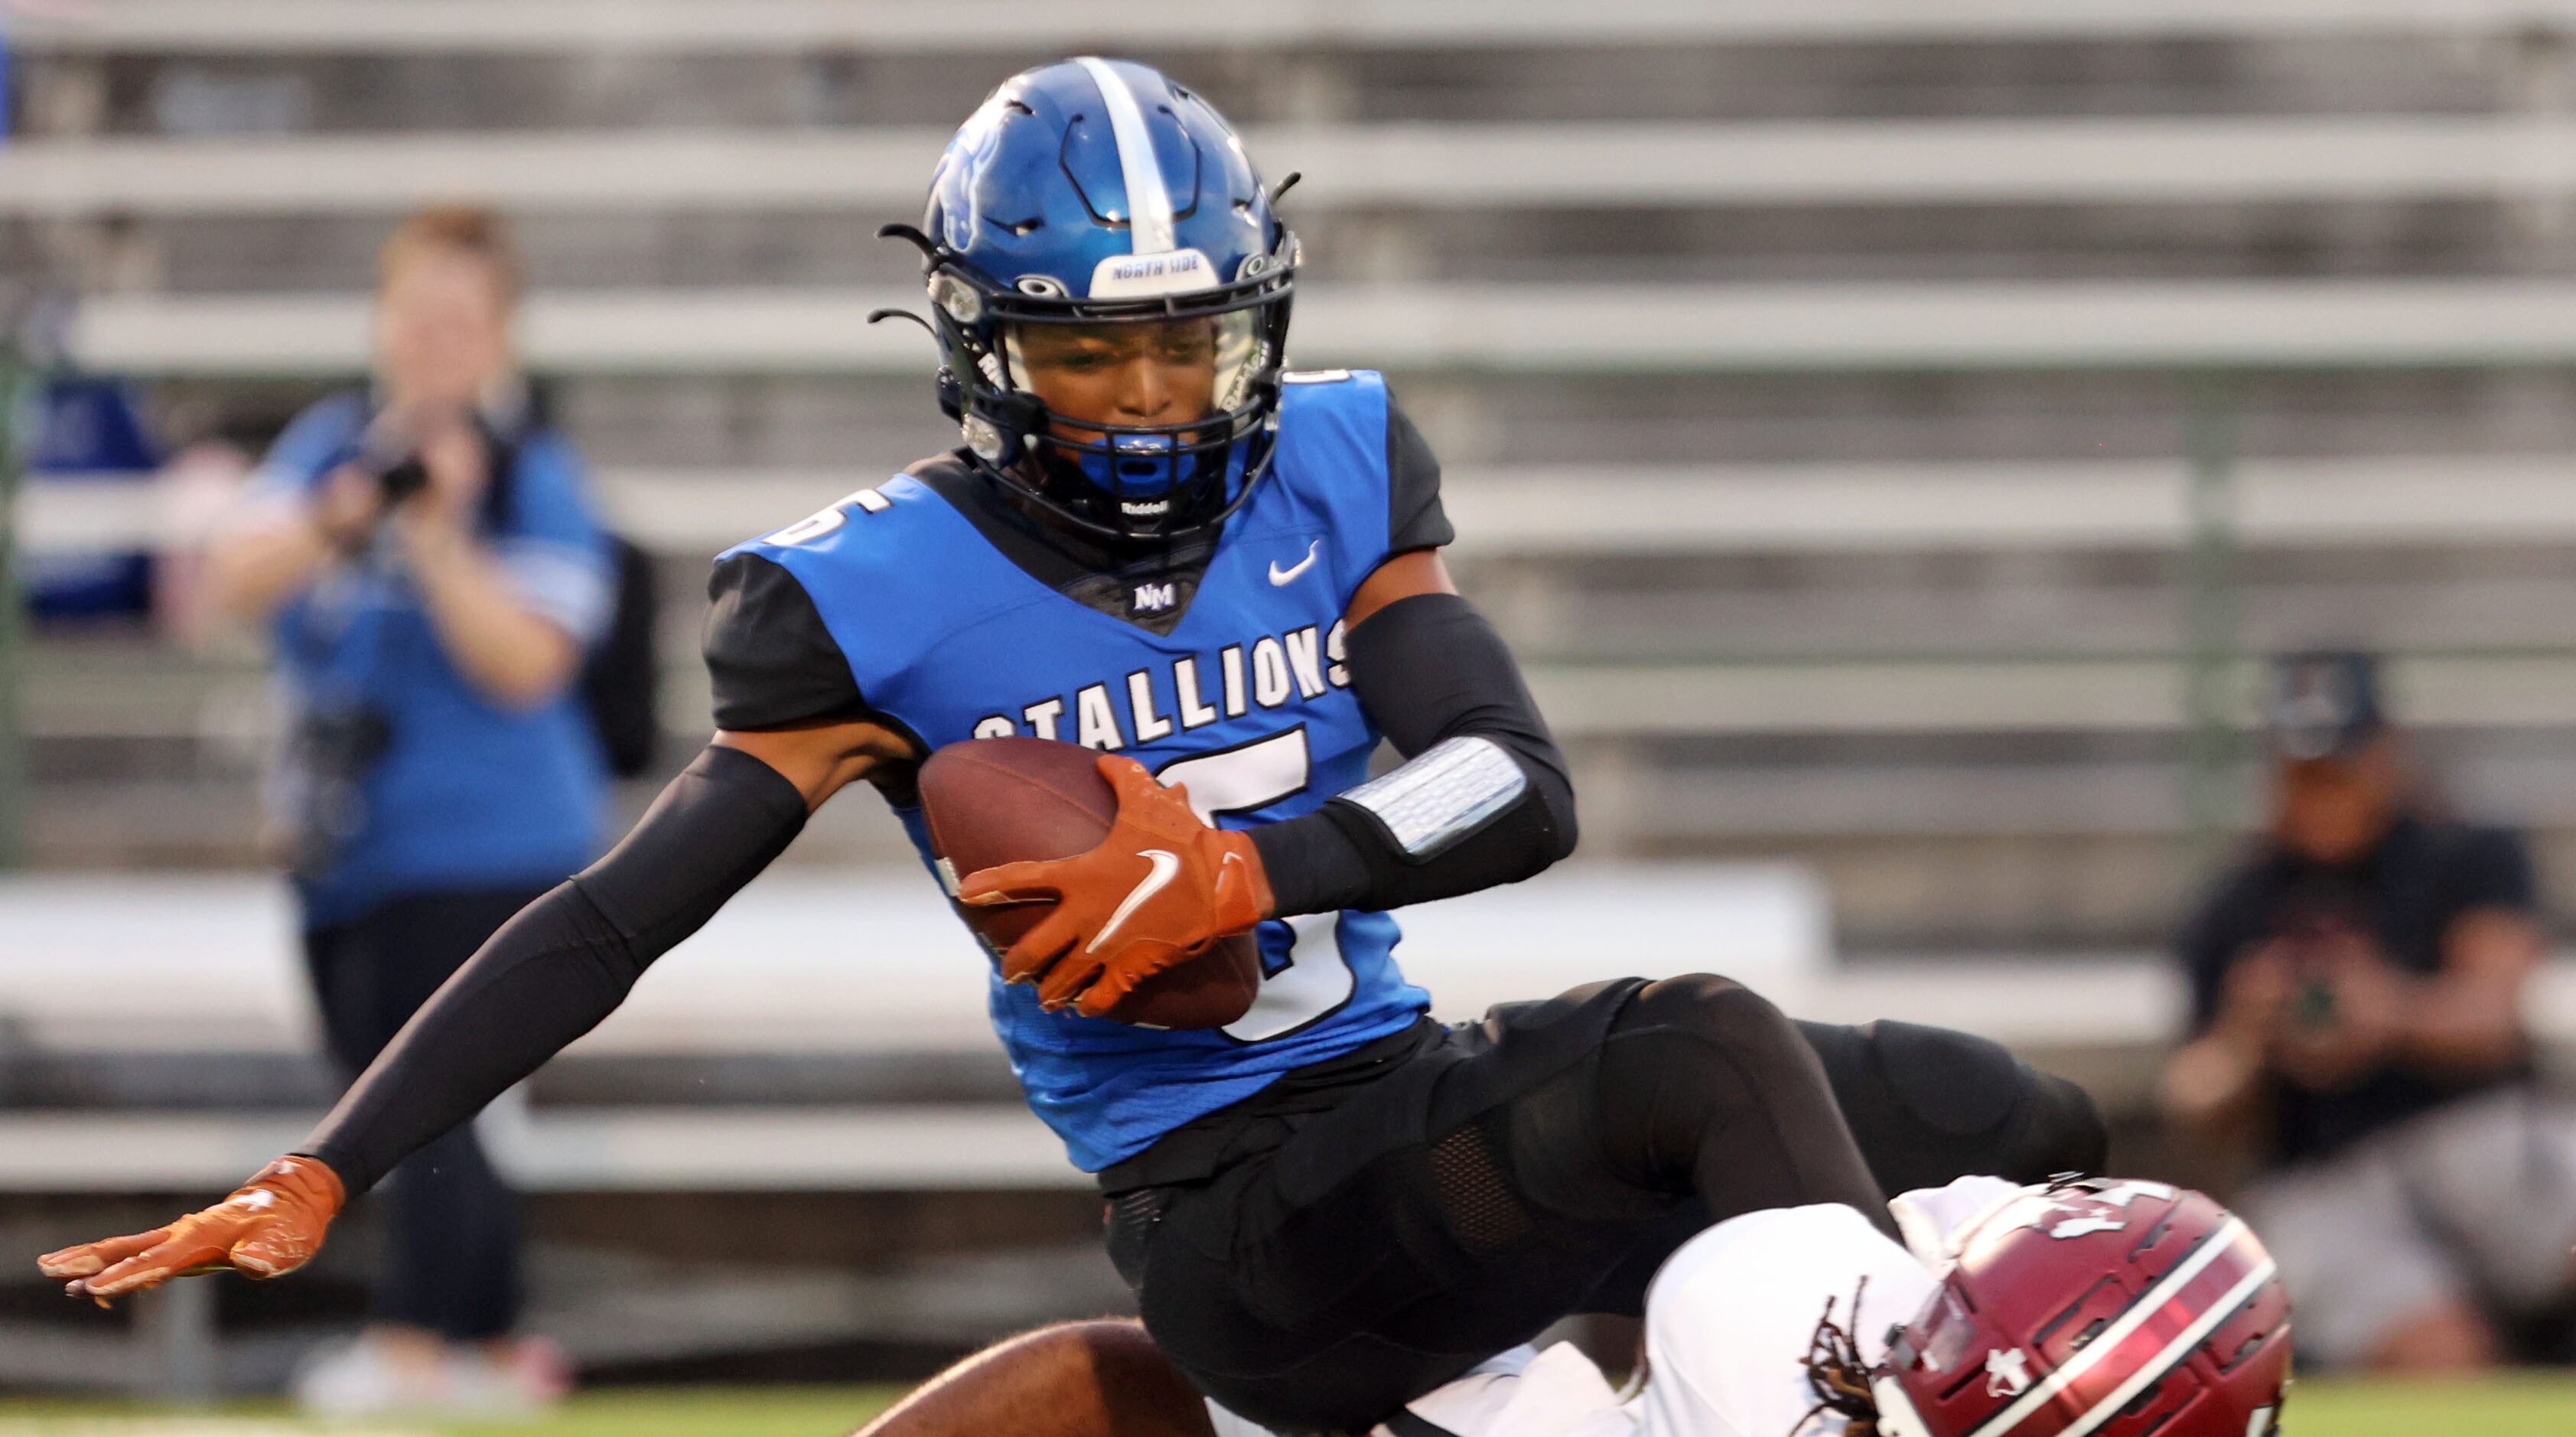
[(871, 965), (2001, 694), (785, 970), (1519, 511), (1497, 328), (1914, 161), (286, 26), (781, 972)]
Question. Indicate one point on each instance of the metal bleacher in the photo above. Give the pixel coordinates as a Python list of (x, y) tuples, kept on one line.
[(291, 26), (1810, 376), (1519, 328), (1886, 428), (2125, 160)]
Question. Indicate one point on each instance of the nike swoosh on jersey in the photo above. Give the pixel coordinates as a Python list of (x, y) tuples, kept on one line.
[(1167, 866), (1279, 576)]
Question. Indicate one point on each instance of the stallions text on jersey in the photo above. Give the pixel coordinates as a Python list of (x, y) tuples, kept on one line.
[(1243, 699)]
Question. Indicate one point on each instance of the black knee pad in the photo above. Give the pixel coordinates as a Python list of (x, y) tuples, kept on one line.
[(1676, 1027), (1639, 1096), (1718, 1010), (1928, 1105), (1957, 1083), (1705, 1087)]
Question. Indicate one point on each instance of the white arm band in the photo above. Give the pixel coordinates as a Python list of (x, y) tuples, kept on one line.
[(1447, 792)]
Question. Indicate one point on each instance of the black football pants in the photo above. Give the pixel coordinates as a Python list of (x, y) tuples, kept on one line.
[(1350, 1248), (452, 1236)]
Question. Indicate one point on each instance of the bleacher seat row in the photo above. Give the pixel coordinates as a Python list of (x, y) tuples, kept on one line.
[(1819, 383), (1631, 165), (1520, 328)]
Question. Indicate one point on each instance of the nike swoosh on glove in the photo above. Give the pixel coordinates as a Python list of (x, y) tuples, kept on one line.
[(271, 1225), (1159, 890)]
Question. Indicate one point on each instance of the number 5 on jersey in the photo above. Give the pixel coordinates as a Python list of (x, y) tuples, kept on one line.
[(1314, 979)]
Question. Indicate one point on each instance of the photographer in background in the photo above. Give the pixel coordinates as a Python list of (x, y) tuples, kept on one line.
[(426, 558), (2357, 985)]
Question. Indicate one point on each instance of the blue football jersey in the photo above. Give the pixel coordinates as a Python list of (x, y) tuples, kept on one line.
[(1244, 698)]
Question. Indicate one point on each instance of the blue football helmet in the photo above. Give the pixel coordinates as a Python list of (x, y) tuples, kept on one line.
[(1092, 193)]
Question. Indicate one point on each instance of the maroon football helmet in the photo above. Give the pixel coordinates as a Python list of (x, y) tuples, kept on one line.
[(2101, 1307)]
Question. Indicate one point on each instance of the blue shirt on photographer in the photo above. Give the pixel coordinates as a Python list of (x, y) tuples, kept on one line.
[(423, 783)]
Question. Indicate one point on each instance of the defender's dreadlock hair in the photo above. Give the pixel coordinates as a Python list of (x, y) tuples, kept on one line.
[(1837, 1374)]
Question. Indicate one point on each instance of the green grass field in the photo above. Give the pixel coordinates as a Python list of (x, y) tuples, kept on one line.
[(2534, 1406)]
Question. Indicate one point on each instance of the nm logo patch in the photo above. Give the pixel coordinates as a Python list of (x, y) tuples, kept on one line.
[(1153, 598)]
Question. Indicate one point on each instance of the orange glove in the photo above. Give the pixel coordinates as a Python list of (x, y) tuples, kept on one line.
[(1160, 889), (272, 1224)]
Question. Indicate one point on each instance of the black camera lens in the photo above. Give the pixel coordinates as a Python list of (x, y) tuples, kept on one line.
[(402, 480)]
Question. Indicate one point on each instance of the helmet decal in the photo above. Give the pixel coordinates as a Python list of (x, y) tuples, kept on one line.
[(961, 170), (2073, 1227), (1169, 272), (2072, 1211), (2007, 1372)]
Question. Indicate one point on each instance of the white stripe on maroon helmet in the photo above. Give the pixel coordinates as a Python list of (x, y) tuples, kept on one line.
[(2167, 1288), (1896, 1414), (1149, 202), (2174, 1351)]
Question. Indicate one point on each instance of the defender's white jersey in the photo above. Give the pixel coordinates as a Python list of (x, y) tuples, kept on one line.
[(1728, 1323), (1731, 1315)]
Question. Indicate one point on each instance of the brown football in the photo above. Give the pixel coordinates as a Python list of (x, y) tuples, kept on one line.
[(991, 801)]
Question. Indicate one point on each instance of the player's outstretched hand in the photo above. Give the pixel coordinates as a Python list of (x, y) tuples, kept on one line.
[(1161, 888), (272, 1224)]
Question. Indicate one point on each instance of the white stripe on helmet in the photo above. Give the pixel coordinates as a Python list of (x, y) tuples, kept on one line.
[(2167, 1288), (1149, 203), (2175, 1351), (1896, 1414)]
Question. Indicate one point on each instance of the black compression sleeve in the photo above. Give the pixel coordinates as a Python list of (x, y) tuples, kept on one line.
[(564, 963), (1428, 669)]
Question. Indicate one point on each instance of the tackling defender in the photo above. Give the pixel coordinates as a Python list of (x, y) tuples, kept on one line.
[(1157, 543), (2086, 1307)]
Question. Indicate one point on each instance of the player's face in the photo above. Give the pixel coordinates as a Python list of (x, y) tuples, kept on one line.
[(1134, 373)]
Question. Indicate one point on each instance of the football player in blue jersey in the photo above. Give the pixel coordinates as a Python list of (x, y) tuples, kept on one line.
[(1157, 542)]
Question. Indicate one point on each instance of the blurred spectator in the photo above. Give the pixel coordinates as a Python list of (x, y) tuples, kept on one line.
[(90, 435), (427, 560), (2357, 983)]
